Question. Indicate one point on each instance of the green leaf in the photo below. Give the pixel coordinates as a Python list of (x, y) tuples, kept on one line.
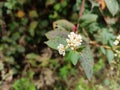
[(88, 19), (57, 7), (32, 27), (74, 57), (112, 6), (64, 72), (31, 56), (49, 2), (52, 34), (53, 43), (102, 50), (106, 36), (110, 55), (20, 49), (86, 60), (64, 24), (33, 14)]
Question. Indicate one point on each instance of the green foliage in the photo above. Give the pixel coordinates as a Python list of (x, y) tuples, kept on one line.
[(23, 84), (99, 66), (83, 85)]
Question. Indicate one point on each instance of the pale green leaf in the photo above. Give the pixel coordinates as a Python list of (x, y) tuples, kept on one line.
[(112, 6), (57, 32), (63, 24), (53, 43), (110, 55), (88, 19)]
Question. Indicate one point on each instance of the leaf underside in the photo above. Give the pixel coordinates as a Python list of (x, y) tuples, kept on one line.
[(86, 60), (52, 34)]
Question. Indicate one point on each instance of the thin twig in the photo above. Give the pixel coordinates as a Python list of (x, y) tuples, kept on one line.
[(82, 9), (98, 45), (81, 12)]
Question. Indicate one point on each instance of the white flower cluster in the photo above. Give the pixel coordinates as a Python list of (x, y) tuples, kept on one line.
[(117, 53), (117, 41), (73, 41)]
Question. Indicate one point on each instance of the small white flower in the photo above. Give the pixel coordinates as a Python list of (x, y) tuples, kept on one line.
[(61, 49), (116, 42), (115, 55)]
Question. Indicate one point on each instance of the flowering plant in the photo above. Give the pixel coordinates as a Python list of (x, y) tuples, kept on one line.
[(69, 43), (65, 38)]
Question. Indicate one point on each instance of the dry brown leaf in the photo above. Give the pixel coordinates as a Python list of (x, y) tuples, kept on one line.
[(102, 4)]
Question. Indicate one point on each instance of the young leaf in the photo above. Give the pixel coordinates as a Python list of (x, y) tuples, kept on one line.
[(112, 6), (88, 19), (86, 60), (74, 56), (63, 24), (52, 34), (110, 55), (53, 43)]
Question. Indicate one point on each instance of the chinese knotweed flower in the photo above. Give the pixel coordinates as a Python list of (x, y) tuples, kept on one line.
[(73, 41)]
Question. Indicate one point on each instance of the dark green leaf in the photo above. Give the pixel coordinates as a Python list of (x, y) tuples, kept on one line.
[(86, 60)]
